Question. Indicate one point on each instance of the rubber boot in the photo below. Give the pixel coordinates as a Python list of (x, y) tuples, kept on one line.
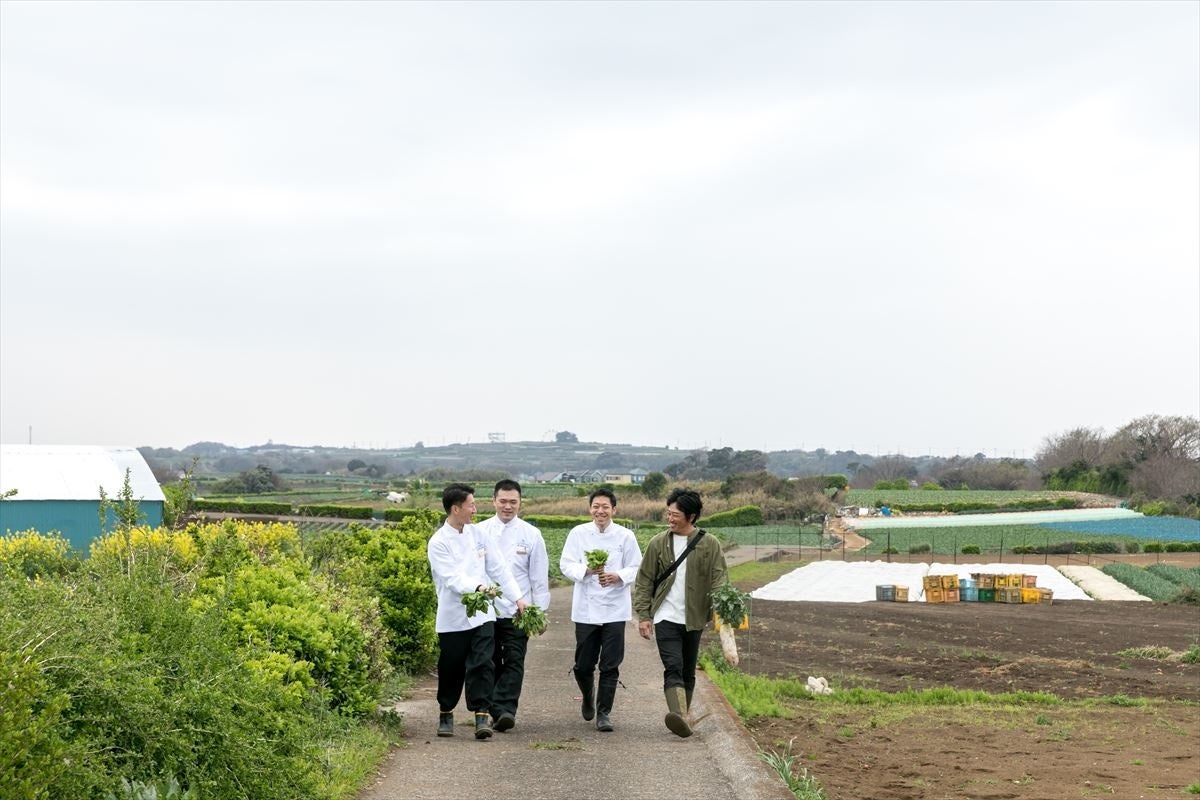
[(483, 725), (604, 703), (677, 710), (587, 685), (688, 716), (446, 723)]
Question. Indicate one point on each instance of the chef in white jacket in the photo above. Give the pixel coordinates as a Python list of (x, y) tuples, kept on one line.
[(601, 604), (462, 561), (525, 551)]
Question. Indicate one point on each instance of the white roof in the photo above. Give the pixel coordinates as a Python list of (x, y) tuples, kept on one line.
[(74, 472)]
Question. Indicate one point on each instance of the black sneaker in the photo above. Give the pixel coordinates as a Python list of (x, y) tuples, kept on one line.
[(505, 722)]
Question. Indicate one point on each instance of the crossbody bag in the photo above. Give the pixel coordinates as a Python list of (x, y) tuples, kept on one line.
[(671, 569)]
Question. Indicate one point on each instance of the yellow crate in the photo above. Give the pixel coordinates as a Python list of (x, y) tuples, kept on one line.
[(1029, 581), (1046, 596), (1030, 595), (1014, 581), (951, 595), (901, 594), (949, 581), (932, 581), (934, 596), (986, 580), (1008, 594)]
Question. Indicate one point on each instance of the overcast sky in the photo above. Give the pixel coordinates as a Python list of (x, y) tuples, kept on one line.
[(923, 228)]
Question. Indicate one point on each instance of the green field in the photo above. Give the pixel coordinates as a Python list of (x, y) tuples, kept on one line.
[(988, 538)]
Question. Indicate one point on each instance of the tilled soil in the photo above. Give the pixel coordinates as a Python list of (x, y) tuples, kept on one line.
[(1145, 746)]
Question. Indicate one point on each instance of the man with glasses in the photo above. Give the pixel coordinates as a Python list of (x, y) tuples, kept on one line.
[(673, 598), (521, 545)]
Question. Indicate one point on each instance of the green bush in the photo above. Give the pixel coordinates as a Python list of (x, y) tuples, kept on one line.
[(1132, 546), (898, 483), (740, 517), (836, 481), (970, 549), (342, 512), (427, 515), (1153, 547), (243, 507), (392, 563), (930, 486), (32, 554), (156, 687), (924, 547), (565, 521), (1182, 547)]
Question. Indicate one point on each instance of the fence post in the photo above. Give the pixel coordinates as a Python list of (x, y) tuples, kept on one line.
[(1002, 548), (889, 548)]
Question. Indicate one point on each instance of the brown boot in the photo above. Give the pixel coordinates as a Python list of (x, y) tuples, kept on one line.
[(677, 713)]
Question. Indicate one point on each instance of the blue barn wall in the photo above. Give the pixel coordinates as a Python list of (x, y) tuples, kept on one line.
[(77, 520)]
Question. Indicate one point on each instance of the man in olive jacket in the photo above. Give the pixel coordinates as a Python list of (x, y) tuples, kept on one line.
[(677, 603)]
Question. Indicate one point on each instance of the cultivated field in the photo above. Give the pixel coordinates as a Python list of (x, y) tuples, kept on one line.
[(1071, 700)]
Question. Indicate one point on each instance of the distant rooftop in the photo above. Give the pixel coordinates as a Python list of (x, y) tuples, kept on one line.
[(74, 472)]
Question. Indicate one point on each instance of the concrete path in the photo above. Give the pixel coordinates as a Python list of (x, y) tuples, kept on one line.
[(552, 754), (1099, 585)]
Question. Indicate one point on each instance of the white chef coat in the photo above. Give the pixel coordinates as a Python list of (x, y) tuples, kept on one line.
[(524, 550), (461, 562), (592, 603)]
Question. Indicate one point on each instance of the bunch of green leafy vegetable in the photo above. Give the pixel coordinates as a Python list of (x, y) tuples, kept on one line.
[(478, 602), (596, 559), (531, 621)]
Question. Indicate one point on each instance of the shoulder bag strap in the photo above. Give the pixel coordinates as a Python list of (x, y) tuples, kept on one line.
[(671, 569)]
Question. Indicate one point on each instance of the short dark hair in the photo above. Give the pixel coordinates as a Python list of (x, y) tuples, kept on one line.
[(688, 501), (506, 485), (455, 495), (602, 492)]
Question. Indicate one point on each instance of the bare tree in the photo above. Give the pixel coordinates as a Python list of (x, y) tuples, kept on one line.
[(1065, 449), (1169, 477)]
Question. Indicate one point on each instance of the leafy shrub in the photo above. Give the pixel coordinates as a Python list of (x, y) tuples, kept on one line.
[(1153, 508), (970, 549), (740, 517), (243, 507), (920, 548), (392, 563), (125, 546), (566, 521), (34, 554), (836, 481), (1153, 547), (898, 483), (428, 515), (930, 486), (1182, 547), (890, 551), (342, 512), (1132, 545)]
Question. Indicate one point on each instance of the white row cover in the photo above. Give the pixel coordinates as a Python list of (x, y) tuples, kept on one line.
[(1011, 518), (855, 582), (74, 472)]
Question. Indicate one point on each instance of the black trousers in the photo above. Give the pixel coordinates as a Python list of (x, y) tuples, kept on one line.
[(508, 656), (466, 657), (679, 650), (604, 643)]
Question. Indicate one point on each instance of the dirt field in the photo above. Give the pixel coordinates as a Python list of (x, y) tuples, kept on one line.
[(1071, 750)]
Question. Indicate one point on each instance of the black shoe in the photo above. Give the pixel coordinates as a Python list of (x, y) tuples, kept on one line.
[(483, 725), (603, 723), (587, 688), (505, 722), (446, 724)]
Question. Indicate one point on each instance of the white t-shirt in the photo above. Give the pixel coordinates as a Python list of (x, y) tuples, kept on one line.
[(674, 605)]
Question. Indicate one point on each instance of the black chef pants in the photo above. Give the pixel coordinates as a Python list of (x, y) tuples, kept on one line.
[(466, 657)]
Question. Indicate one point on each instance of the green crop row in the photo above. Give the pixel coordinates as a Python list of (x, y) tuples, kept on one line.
[(1143, 582), (1177, 575)]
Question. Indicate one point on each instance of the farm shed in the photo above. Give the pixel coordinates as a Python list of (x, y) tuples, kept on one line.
[(58, 488)]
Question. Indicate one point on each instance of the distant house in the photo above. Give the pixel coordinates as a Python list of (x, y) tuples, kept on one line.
[(637, 476), (618, 477), (58, 488), (591, 476)]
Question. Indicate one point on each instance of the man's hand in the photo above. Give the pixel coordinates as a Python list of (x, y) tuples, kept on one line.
[(609, 578), (522, 605), (645, 628)]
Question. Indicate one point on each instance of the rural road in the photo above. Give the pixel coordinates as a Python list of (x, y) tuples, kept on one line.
[(552, 754)]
